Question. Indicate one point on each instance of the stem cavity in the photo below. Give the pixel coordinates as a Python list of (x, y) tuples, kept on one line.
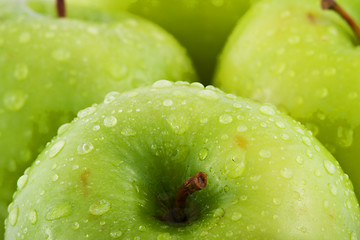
[(191, 185)]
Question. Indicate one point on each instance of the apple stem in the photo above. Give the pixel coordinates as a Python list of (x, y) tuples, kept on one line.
[(191, 185), (332, 5), (61, 8)]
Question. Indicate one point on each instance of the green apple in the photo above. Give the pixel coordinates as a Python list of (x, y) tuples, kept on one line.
[(51, 68), (307, 62), (201, 26), (116, 172)]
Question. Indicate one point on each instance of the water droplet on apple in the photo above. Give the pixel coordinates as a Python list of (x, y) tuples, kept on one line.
[(276, 201), (317, 173), (229, 234), (236, 216), (265, 153), (56, 148), (128, 132), (162, 84), (118, 72), (86, 112), (333, 189), (14, 100), (110, 121), (92, 30), (286, 173), (22, 181), (345, 136), (100, 207), (242, 128), (13, 215), (218, 3), (116, 234), (353, 95), (203, 153), (321, 93), (329, 166), (96, 128), (294, 40), (59, 210), (63, 128), (237, 105), (24, 37), (219, 212), (142, 228), (163, 236), (61, 54), (255, 178), (33, 217), (75, 226), (197, 85), (85, 148), (251, 228), (285, 14), (326, 204), (235, 166), (280, 124), (330, 71), (49, 34), (55, 177), (353, 236), (225, 118), (208, 95), (167, 102), (178, 123), (306, 140), (21, 71)]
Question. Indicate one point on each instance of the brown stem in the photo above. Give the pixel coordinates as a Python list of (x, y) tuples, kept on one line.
[(61, 8), (190, 186), (331, 4)]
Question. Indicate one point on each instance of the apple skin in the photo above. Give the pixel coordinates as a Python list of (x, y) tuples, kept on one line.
[(202, 27), (50, 69), (308, 66), (103, 175)]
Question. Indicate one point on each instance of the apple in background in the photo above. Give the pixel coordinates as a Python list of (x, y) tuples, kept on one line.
[(51, 68), (202, 27), (307, 62), (116, 172)]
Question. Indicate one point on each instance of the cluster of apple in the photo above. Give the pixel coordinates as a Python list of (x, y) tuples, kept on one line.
[(94, 144)]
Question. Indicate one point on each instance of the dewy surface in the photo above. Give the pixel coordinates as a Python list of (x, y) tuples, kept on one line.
[(114, 170)]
